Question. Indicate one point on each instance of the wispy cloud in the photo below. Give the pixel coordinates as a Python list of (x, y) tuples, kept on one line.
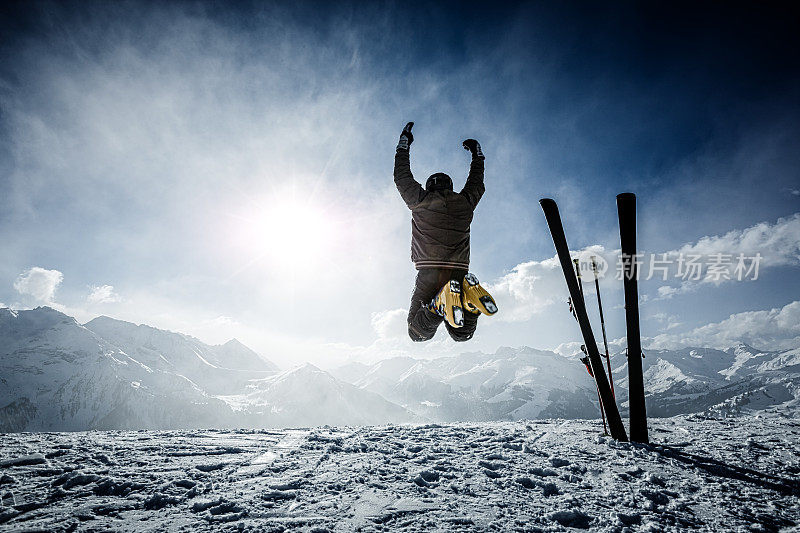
[(777, 328), (668, 321), (390, 324), (102, 294), (764, 245), (778, 242)]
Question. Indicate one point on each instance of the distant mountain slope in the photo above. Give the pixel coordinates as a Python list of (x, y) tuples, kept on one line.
[(234, 354), (308, 396), (221, 369), (516, 383), (511, 384), (58, 375), (691, 380)]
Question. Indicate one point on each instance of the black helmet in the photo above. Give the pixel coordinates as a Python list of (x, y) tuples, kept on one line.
[(439, 182)]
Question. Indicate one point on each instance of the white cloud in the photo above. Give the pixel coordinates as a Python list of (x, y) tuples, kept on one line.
[(390, 324), (223, 321), (102, 294), (769, 329), (39, 283), (527, 289), (533, 286), (668, 321), (778, 243), (573, 349), (665, 291)]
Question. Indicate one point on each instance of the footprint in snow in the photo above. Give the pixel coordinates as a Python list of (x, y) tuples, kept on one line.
[(655, 479), (211, 467), (426, 478), (489, 465), (526, 482), (571, 518), (542, 472), (25, 460), (548, 489), (492, 474)]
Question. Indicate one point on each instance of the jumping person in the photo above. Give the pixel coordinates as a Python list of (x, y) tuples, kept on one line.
[(440, 221)]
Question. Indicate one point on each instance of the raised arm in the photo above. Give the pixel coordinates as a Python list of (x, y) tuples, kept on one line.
[(474, 188), (410, 190)]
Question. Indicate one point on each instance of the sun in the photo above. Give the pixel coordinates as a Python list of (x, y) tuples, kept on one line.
[(287, 232)]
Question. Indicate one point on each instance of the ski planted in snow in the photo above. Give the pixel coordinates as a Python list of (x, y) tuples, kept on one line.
[(585, 358), (560, 241), (588, 365), (626, 209)]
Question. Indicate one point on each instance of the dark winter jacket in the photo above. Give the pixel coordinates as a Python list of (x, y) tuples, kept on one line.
[(439, 220)]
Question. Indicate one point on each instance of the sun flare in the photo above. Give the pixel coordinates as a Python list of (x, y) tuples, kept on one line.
[(288, 232)]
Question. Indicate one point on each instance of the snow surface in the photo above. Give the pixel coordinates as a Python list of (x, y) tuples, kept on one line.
[(551, 475)]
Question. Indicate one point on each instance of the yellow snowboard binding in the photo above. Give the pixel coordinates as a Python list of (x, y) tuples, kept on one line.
[(448, 304), (476, 298)]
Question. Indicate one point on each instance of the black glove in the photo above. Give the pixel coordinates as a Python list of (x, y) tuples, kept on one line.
[(474, 147), (406, 137)]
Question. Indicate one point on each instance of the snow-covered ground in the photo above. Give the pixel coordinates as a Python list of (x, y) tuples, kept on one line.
[(738, 474)]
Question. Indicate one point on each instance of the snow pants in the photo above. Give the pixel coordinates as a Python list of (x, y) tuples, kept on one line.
[(422, 323)]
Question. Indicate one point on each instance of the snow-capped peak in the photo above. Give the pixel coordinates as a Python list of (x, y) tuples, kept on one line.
[(740, 348)]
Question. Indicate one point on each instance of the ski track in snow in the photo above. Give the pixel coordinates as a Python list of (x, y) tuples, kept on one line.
[(554, 475)]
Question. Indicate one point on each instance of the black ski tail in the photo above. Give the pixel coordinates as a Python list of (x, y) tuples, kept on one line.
[(626, 209), (588, 365), (606, 398)]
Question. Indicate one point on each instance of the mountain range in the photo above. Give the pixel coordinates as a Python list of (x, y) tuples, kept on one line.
[(59, 375)]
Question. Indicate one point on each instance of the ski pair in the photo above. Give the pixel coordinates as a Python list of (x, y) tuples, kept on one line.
[(455, 297), (579, 308), (626, 207)]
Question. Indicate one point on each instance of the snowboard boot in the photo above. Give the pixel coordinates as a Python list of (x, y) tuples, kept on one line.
[(476, 298), (448, 304)]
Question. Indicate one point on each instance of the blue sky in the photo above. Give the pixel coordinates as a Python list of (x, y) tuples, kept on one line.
[(227, 172)]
